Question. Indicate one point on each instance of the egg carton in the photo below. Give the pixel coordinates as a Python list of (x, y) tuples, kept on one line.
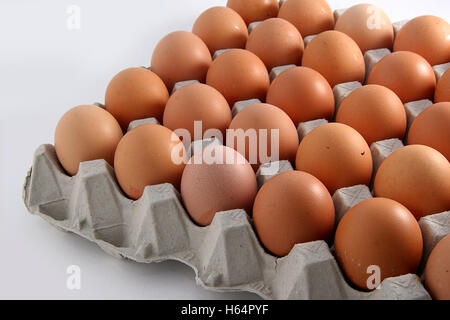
[(226, 256)]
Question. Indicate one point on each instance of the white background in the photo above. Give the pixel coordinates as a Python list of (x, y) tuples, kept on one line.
[(45, 69)]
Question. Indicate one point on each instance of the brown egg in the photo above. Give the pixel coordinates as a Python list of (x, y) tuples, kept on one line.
[(407, 74), (149, 154), (291, 208), (337, 155), (378, 234), (416, 176), (303, 93), (254, 10), (368, 25), (217, 179), (86, 133), (428, 36), (181, 56), (277, 43), (336, 56), (239, 75), (221, 28), (442, 93), (375, 112), (197, 102), (260, 148), (432, 128), (309, 16), (136, 93), (437, 271)]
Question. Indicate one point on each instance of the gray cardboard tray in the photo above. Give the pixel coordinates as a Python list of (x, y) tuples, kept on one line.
[(226, 256)]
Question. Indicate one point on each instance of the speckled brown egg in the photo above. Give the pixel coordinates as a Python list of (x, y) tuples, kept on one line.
[(303, 93), (181, 56), (239, 75), (375, 112), (378, 235), (254, 10), (86, 133), (270, 146), (136, 93), (217, 179), (442, 93), (292, 208), (432, 128), (368, 25), (337, 155), (418, 177), (149, 154), (407, 74), (336, 57), (197, 102), (277, 43), (437, 270), (428, 36), (221, 28), (309, 16)]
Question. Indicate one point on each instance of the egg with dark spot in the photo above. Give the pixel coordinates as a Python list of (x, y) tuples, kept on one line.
[(337, 155)]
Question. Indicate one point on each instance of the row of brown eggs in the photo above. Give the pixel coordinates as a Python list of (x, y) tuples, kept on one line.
[(277, 42), (183, 56), (294, 207), (375, 111)]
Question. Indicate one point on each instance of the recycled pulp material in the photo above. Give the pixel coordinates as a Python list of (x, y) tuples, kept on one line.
[(218, 53), (137, 123), (308, 39), (253, 25), (440, 69), (225, 255), (306, 127), (371, 57), (181, 84), (275, 72), (413, 109), (241, 105)]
